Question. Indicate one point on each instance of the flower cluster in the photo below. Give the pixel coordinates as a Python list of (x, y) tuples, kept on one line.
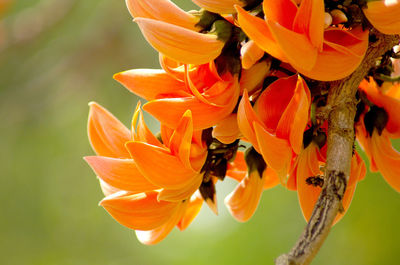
[(242, 70)]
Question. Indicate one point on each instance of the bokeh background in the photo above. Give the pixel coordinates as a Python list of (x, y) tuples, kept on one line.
[(55, 57)]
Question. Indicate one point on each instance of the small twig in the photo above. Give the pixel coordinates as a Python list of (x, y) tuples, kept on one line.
[(340, 118)]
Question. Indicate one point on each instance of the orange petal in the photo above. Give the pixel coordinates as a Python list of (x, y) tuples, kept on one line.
[(276, 151), (181, 139), (351, 42), (180, 44), (120, 173), (107, 189), (204, 115), (227, 130), (307, 166), (384, 15), (163, 10), (151, 84), (387, 159), (297, 48), (253, 78), (220, 7), (310, 21), (154, 236), (273, 101), (257, 30), (107, 134), (246, 117), (282, 11), (159, 166), (271, 178), (237, 169), (243, 201), (183, 193), (250, 54), (191, 212), (139, 211), (333, 65), (140, 131), (365, 143), (295, 117)]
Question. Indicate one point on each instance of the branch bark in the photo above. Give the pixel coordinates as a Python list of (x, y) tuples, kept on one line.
[(342, 107)]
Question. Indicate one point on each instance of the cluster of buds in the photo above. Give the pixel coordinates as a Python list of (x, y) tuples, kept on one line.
[(241, 70)]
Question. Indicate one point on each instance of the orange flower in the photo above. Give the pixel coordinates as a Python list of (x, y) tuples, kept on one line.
[(276, 124), (162, 10), (296, 35), (377, 127), (131, 198), (307, 170), (243, 201), (384, 15), (209, 96), (220, 6)]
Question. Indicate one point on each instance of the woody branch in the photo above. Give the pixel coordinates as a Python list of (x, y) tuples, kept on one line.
[(340, 113)]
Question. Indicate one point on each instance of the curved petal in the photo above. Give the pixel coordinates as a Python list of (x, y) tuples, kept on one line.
[(191, 212), (120, 173), (163, 10), (351, 42), (220, 6), (271, 178), (246, 117), (140, 131), (250, 54), (107, 134), (237, 169), (227, 130), (276, 151), (253, 78), (387, 159), (159, 166), (273, 101), (307, 166), (244, 200), (281, 11), (257, 30), (181, 139), (139, 211), (332, 65), (365, 143), (180, 44), (310, 21), (183, 193), (297, 48), (204, 115), (384, 15), (154, 236), (295, 117), (151, 84), (107, 189)]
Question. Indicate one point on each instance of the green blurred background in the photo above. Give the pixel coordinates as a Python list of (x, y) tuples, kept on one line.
[(55, 57)]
